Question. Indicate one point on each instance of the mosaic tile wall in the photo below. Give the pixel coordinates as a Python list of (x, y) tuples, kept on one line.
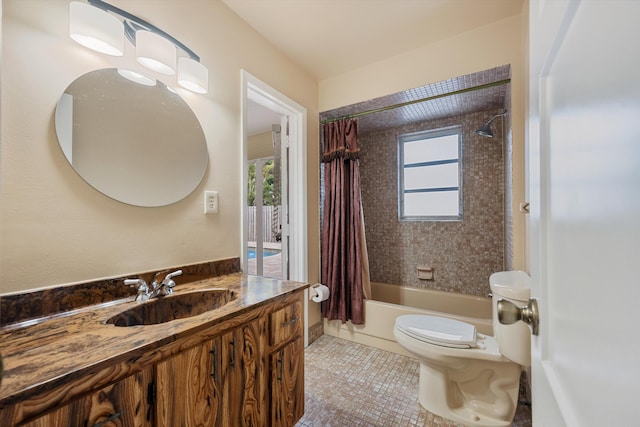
[(463, 254)]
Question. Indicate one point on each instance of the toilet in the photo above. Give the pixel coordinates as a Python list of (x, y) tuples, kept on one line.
[(466, 376)]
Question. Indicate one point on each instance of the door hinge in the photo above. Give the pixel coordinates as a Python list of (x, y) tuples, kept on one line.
[(285, 140), (284, 230)]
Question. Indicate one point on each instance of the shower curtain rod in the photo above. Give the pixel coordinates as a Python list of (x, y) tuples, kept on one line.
[(417, 101)]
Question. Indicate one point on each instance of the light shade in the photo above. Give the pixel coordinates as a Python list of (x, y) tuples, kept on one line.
[(137, 77), (96, 29), (193, 75), (155, 52)]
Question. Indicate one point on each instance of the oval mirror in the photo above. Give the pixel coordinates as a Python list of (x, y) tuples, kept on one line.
[(138, 144)]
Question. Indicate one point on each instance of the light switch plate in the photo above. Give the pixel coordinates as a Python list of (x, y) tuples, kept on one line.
[(210, 202)]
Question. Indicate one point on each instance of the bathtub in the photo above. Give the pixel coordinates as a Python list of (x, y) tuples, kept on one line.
[(391, 301)]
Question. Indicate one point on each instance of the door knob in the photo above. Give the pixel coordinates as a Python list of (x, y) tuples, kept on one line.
[(509, 313)]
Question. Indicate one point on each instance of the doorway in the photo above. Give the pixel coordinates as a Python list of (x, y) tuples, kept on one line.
[(264, 214), (293, 162)]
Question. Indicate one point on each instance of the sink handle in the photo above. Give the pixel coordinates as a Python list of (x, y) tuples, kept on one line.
[(143, 288), (168, 283), (174, 274)]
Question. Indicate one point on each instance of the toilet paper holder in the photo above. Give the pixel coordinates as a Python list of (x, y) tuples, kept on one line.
[(318, 292)]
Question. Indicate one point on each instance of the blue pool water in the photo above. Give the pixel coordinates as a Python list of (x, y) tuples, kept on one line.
[(251, 254)]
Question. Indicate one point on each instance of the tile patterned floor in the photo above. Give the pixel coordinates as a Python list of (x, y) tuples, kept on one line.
[(350, 384)]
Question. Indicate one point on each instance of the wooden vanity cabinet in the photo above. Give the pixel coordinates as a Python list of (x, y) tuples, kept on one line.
[(123, 404), (222, 382), (248, 371), (244, 375), (252, 375), (287, 365), (186, 387)]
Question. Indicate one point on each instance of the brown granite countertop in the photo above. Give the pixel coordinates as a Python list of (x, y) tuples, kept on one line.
[(42, 354)]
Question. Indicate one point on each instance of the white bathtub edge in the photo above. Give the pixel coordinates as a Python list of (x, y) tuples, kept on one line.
[(335, 329), (380, 319)]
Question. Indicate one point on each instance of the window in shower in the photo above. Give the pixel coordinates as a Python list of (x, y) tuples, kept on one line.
[(429, 174)]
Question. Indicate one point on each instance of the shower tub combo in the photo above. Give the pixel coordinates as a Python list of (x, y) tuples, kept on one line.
[(391, 301)]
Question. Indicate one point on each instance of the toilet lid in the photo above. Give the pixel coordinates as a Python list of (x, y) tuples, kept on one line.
[(438, 330)]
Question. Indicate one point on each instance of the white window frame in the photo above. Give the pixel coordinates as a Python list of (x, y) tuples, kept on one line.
[(426, 135)]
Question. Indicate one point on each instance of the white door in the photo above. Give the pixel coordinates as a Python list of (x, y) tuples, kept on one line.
[(284, 171), (583, 135)]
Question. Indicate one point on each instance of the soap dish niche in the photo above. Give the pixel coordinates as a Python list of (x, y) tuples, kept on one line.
[(426, 273)]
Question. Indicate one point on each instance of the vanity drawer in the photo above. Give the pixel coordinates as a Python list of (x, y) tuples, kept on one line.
[(286, 323)]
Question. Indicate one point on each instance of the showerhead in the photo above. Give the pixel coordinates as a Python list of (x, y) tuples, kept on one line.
[(485, 130)]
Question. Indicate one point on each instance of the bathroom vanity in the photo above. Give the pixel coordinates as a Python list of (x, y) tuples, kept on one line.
[(241, 364)]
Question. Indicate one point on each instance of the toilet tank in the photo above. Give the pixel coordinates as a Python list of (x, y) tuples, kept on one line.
[(514, 341)]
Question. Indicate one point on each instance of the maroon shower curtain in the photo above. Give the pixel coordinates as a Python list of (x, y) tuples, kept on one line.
[(341, 230)]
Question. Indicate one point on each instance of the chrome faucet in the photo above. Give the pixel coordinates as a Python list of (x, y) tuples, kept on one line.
[(157, 289)]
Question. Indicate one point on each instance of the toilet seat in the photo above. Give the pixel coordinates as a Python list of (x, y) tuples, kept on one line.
[(440, 331)]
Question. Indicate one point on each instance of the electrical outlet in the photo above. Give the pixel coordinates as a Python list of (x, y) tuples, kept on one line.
[(210, 202)]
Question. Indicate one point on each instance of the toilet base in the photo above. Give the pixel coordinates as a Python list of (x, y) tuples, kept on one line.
[(481, 393)]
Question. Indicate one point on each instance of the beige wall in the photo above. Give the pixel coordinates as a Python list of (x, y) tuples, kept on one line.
[(484, 48), (56, 229)]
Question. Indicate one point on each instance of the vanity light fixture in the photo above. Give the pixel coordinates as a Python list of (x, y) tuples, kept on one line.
[(155, 49), (193, 75), (96, 29), (155, 52)]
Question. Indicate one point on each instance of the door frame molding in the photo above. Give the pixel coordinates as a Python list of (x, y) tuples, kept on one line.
[(261, 93)]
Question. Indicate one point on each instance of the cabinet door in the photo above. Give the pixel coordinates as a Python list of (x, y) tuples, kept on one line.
[(286, 323), (287, 384), (187, 387), (244, 375), (123, 404)]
